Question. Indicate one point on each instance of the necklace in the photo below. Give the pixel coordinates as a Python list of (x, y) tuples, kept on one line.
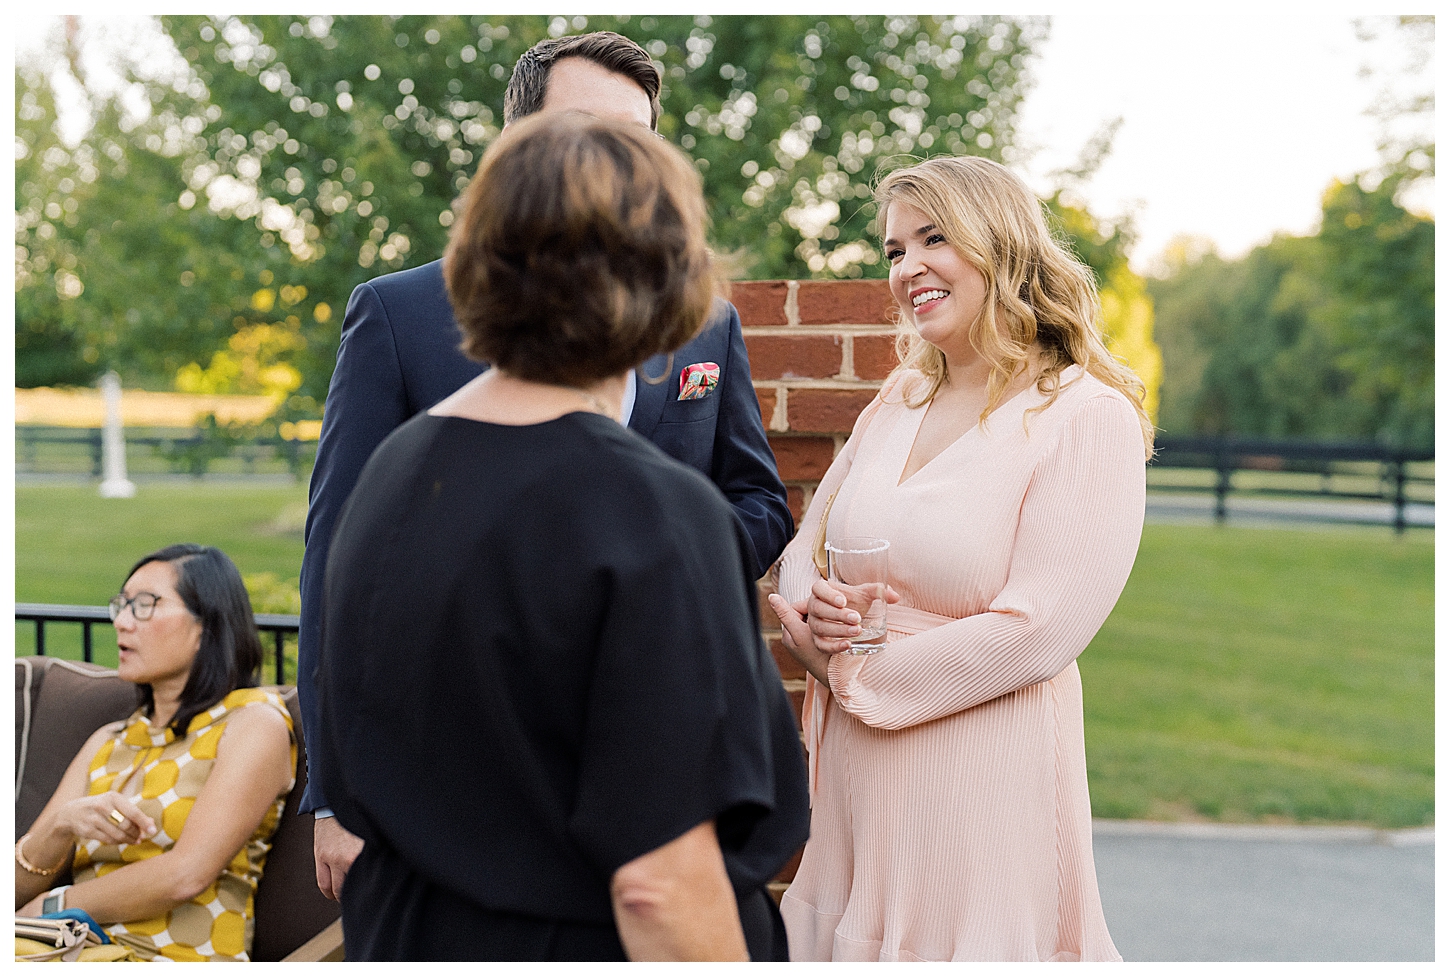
[(595, 404)]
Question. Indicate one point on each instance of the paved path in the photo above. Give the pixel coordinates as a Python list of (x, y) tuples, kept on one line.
[(1225, 892)]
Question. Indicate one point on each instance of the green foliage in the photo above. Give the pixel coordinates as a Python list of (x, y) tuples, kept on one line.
[(312, 153), (49, 346), (272, 595), (1103, 245), (1329, 336), (110, 271), (213, 440), (1379, 271), (789, 117)]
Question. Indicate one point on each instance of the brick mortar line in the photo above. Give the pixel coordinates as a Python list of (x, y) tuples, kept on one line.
[(851, 328), (779, 419), (821, 383), (792, 303)]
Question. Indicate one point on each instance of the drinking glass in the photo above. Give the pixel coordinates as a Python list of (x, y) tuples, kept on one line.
[(857, 567)]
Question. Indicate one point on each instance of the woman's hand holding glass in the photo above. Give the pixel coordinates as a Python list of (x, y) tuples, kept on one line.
[(821, 625), (833, 613)]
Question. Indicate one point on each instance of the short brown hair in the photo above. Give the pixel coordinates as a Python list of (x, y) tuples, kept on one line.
[(529, 82), (580, 251)]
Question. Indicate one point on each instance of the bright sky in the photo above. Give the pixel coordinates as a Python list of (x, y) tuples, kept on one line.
[(1234, 122), (1233, 125)]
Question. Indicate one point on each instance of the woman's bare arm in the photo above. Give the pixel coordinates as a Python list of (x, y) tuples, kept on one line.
[(253, 766), (676, 902), (52, 835)]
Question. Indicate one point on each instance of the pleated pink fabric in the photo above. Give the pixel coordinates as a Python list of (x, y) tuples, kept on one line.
[(950, 816)]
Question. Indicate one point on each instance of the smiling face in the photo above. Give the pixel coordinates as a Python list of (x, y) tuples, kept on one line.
[(939, 289), (164, 646)]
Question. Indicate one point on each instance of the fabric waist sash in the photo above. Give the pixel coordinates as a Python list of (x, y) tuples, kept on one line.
[(901, 622), (913, 620)]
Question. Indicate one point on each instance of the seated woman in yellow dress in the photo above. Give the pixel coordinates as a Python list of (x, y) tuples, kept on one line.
[(166, 817)]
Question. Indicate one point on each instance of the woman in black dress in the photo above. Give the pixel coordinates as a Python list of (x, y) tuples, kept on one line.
[(548, 711)]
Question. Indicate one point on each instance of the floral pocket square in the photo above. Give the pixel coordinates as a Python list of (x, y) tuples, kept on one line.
[(698, 379)]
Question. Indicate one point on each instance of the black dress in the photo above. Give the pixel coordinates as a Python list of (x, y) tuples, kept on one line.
[(541, 660)]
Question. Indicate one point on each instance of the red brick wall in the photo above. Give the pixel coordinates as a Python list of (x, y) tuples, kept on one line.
[(818, 353)]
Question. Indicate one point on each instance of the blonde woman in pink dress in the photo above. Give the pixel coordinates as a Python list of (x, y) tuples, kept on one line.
[(1004, 461)]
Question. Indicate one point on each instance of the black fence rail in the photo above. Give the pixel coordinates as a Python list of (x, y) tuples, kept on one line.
[(1395, 473), (187, 450), (277, 626)]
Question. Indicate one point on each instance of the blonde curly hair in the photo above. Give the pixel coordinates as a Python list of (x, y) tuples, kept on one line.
[(1038, 294)]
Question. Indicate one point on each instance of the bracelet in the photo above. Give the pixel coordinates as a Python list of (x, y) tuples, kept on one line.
[(25, 862)]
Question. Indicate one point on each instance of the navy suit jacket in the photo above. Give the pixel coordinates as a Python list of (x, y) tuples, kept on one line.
[(399, 355)]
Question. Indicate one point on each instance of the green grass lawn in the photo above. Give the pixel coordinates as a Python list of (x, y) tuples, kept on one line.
[(1267, 675), (73, 547), (1246, 675)]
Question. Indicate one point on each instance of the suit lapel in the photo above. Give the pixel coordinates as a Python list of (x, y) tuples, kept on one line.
[(650, 398)]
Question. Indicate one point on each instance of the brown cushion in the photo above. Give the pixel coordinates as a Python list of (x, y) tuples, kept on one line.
[(27, 682), (59, 704), (290, 908), (66, 702)]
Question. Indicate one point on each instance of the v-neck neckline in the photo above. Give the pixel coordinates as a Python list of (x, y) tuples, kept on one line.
[(902, 479)]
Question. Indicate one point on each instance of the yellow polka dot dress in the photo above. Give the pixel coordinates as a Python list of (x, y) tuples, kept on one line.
[(170, 772)]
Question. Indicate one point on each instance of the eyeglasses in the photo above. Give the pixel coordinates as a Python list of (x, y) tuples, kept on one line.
[(142, 605)]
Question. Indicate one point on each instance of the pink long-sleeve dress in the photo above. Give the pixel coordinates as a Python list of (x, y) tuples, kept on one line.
[(950, 816)]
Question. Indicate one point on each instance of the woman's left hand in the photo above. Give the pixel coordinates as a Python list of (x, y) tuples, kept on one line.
[(797, 637), (33, 907)]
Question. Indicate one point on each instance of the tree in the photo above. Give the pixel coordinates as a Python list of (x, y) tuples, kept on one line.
[(360, 153), (1378, 267), (1329, 336), (111, 269), (284, 160), (292, 156), (1103, 245)]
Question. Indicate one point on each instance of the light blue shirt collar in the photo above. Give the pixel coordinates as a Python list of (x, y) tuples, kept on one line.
[(626, 403)]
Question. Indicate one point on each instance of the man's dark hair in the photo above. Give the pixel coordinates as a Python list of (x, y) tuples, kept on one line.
[(613, 52), (208, 583)]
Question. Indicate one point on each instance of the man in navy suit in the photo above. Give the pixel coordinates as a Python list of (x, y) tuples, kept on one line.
[(399, 355)]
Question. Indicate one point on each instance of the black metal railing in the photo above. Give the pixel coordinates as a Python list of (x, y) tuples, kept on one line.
[(277, 626), (1227, 455)]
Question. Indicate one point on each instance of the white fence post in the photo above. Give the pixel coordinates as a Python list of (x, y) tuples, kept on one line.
[(114, 483)]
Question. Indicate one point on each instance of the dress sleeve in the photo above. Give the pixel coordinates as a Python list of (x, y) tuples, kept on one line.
[(1077, 537), (797, 569), (677, 728)]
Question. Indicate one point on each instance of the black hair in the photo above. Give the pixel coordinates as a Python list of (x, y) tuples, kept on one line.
[(230, 656), (529, 82)]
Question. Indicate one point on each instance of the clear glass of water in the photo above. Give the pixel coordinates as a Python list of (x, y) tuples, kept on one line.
[(858, 567)]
